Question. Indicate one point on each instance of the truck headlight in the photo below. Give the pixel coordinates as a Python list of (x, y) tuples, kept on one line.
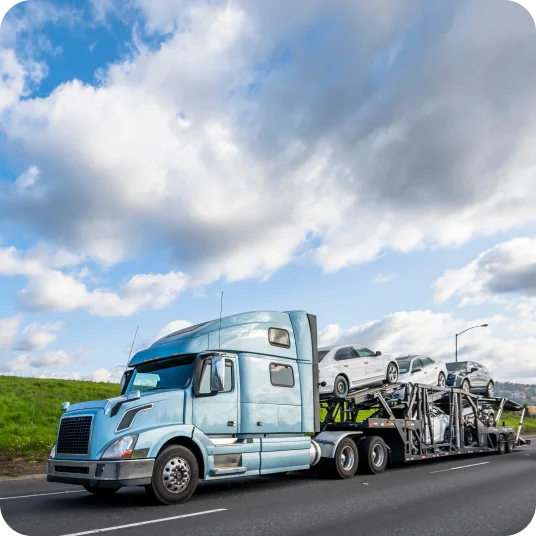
[(53, 452), (120, 449)]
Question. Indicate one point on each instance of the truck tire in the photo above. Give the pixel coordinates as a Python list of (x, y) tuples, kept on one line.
[(175, 475), (510, 443), (373, 455), (101, 492), (341, 387), (501, 447), (345, 462)]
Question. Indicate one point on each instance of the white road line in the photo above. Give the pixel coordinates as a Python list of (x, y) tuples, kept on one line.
[(147, 522), (42, 494), (460, 467)]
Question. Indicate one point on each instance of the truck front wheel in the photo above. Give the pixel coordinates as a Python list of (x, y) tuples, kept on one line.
[(175, 475)]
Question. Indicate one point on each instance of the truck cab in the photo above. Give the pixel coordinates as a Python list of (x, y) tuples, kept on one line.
[(232, 397)]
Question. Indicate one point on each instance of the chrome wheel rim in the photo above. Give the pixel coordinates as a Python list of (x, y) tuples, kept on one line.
[(465, 386), (378, 455), (340, 387), (491, 390), (392, 374), (176, 475), (442, 382), (347, 458)]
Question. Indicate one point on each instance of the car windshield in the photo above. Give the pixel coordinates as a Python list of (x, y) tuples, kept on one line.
[(322, 354), (403, 365), (456, 366), (169, 374)]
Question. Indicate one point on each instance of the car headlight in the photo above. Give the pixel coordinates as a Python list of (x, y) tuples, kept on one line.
[(53, 452), (120, 449)]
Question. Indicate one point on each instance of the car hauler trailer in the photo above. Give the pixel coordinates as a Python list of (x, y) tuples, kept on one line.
[(238, 396)]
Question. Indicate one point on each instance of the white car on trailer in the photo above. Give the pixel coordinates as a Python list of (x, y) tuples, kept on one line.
[(350, 366)]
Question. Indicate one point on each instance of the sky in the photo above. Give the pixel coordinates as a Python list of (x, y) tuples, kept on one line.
[(369, 162)]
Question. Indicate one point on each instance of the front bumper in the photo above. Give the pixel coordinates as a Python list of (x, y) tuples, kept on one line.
[(101, 473)]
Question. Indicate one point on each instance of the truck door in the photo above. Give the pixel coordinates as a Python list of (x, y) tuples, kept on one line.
[(217, 413)]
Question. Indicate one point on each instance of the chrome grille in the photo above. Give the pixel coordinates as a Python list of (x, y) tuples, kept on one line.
[(74, 434)]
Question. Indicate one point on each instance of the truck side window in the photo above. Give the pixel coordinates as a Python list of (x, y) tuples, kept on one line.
[(281, 375), (204, 384)]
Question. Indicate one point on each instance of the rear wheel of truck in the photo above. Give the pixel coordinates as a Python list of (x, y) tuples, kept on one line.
[(501, 447), (175, 475), (372, 455), (103, 492), (345, 462)]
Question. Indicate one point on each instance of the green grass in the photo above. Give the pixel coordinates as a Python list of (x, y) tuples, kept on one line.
[(30, 410), (512, 419)]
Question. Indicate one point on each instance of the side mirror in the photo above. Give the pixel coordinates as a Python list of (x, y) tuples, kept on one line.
[(378, 353), (65, 406), (134, 395), (217, 374), (473, 369), (125, 380), (418, 369)]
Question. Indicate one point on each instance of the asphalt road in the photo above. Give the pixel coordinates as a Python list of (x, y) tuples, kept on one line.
[(478, 495)]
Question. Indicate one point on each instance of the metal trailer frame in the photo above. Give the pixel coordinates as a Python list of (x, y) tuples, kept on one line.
[(411, 437)]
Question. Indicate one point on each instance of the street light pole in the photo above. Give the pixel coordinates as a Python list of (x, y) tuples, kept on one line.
[(458, 334)]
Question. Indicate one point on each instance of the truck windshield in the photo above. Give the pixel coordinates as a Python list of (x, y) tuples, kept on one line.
[(168, 374)]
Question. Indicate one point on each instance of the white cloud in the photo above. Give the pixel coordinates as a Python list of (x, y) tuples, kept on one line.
[(238, 142), (38, 336), (432, 334), (382, 278), (107, 376), (171, 327), (53, 290), (8, 329), (53, 358), (507, 269), (329, 336)]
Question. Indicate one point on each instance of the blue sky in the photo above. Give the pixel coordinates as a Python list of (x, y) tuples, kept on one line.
[(368, 163)]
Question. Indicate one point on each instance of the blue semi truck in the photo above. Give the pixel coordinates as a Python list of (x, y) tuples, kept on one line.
[(238, 396)]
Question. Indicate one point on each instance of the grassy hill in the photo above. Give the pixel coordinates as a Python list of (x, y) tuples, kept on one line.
[(30, 410)]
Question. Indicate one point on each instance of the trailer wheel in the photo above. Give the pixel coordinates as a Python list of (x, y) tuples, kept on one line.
[(372, 455), (501, 447), (510, 443), (345, 462), (175, 475), (341, 387)]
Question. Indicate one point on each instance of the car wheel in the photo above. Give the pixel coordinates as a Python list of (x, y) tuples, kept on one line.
[(373, 455), (392, 373), (448, 435), (466, 386), (490, 390), (103, 492), (345, 462), (441, 380), (341, 387), (469, 436), (175, 475), (501, 447)]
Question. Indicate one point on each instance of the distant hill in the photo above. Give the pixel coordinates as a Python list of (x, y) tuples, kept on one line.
[(520, 392)]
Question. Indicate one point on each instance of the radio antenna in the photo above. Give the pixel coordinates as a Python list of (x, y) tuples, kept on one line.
[(132, 345), (219, 330)]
